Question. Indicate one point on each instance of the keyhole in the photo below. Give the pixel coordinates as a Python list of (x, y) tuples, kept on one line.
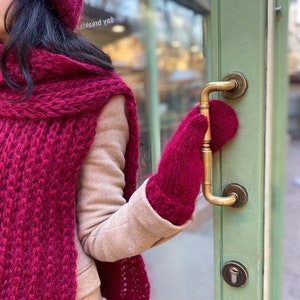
[(234, 273)]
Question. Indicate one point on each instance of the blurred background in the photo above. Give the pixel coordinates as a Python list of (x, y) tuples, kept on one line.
[(291, 286), (164, 60)]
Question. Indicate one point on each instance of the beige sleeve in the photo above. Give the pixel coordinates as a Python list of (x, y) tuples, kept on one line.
[(108, 227)]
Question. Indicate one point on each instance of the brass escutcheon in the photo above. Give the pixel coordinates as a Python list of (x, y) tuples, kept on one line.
[(239, 192), (240, 87)]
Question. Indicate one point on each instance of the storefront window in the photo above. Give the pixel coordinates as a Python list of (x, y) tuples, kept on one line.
[(157, 46), (119, 28)]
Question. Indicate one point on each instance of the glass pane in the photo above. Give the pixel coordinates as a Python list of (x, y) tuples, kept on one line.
[(115, 26), (181, 63), (183, 267)]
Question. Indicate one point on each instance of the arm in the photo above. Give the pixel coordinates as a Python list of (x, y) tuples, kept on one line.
[(109, 228)]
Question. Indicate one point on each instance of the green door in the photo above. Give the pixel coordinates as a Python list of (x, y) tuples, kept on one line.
[(167, 50), (250, 37)]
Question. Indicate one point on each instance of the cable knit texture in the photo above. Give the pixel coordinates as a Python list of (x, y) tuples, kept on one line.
[(43, 144), (172, 191), (69, 11)]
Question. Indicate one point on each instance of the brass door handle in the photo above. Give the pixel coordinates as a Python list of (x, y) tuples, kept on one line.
[(234, 86)]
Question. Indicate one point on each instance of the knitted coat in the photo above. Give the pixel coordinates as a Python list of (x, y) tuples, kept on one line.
[(43, 144)]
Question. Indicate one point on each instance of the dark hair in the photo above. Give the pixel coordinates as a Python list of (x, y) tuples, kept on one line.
[(34, 24)]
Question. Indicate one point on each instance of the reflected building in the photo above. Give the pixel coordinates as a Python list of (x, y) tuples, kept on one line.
[(158, 48)]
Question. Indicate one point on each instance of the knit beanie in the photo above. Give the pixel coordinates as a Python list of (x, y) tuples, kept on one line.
[(69, 11)]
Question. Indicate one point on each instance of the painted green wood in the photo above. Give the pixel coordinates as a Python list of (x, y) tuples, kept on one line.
[(150, 40), (242, 35), (238, 43), (279, 127)]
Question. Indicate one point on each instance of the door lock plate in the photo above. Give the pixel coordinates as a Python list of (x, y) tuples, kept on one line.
[(235, 274)]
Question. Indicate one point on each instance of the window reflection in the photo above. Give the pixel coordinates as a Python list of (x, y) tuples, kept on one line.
[(118, 27), (174, 59)]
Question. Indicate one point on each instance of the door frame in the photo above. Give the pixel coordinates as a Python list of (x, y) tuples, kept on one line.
[(250, 37)]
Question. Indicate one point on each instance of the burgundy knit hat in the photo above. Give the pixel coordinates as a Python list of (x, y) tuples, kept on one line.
[(69, 11)]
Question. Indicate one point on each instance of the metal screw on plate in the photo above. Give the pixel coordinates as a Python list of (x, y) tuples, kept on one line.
[(278, 9), (235, 274)]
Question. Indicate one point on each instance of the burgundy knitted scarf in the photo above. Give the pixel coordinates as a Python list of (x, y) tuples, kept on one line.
[(43, 144)]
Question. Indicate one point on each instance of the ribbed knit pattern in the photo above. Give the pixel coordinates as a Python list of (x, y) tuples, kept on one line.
[(69, 11), (172, 191), (133, 285), (43, 144)]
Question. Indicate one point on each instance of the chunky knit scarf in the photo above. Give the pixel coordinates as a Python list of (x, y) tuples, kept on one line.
[(43, 144)]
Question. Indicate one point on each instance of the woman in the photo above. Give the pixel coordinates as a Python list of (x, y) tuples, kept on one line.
[(69, 208)]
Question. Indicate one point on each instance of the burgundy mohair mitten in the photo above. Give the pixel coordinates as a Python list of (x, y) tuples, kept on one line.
[(172, 191)]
